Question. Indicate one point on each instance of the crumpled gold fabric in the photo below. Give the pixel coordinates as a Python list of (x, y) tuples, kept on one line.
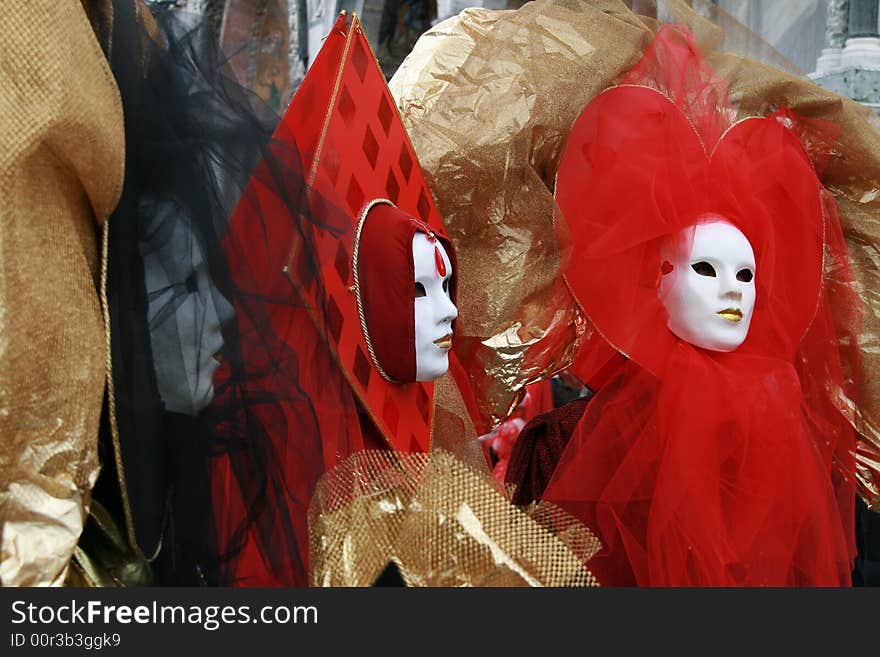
[(61, 169), (488, 98), (442, 523)]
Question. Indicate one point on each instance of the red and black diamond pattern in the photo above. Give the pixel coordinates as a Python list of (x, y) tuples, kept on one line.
[(362, 153)]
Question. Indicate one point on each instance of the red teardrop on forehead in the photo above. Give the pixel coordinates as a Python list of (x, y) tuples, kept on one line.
[(441, 264), (438, 257)]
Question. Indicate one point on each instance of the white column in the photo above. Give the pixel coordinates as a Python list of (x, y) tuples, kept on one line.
[(862, 49), (836, 28)]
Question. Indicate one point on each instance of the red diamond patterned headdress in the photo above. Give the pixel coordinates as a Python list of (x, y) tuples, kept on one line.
[(344, 124)]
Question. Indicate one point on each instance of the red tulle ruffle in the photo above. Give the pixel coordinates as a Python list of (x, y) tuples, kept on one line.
[(698, 467)]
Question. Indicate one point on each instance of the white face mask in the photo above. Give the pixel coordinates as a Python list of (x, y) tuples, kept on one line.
[(434, 310), (184, 336), (710, 292)]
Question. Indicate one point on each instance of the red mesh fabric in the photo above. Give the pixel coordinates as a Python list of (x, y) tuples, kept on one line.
[(673, 66), (307, 410), (698, 467)]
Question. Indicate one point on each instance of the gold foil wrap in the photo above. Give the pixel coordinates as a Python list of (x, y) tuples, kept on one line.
[(61, 169), (442, 523), (488, 98)]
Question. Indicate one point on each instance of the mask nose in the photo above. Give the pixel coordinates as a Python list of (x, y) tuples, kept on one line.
[(731, 289), (448, 311)]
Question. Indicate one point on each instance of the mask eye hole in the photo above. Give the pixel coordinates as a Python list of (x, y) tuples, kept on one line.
[(420, 290), (744, 275), (446, 285), (703, 268)]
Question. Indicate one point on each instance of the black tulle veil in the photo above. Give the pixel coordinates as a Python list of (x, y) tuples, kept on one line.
[(194, 138)]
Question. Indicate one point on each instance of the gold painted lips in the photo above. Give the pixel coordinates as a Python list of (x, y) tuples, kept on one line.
[(731, 314), (445, 342)]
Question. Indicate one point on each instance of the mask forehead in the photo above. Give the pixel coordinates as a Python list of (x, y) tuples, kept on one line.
[(722, 241), (425, 258), (168, 236)]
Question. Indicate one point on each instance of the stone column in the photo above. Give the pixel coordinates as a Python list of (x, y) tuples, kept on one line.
[(863, 18), (862, 49), (836, 30)]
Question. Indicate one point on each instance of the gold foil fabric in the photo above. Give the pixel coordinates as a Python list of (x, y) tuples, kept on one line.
[(453, 430), (488, 98), (442, 523), (61, 169)]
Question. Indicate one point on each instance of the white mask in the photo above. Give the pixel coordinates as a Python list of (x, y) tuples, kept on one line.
[(710, 292), (434, 310), (184, 336)]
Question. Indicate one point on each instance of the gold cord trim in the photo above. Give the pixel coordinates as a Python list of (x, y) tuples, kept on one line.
[(111, 405), (357, 286)]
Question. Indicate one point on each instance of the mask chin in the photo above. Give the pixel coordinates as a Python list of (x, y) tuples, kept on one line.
[(708, 285), (429, 368)]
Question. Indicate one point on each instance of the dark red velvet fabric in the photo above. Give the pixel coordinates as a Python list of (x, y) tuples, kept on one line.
[(538, 448)]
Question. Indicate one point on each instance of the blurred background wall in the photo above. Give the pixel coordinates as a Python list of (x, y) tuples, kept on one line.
[(270, 43)]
